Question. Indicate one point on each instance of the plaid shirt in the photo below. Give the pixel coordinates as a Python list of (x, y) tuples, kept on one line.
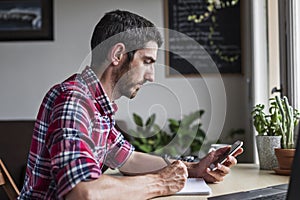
[(73, 137)]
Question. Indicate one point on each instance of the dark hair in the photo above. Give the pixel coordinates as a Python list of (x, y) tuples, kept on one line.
[(131, 29)]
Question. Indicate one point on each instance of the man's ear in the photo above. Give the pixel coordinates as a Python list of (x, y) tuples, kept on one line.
[(117, 53)]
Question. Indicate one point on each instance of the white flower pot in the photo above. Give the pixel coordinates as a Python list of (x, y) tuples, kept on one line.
[(266, 152)]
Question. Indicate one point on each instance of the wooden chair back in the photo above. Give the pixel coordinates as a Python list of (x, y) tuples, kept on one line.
[(7, 183)]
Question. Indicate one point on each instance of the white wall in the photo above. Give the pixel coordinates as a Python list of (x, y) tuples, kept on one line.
[(29, 69)]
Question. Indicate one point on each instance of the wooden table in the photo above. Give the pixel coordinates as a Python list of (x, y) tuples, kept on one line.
[(243, 177)]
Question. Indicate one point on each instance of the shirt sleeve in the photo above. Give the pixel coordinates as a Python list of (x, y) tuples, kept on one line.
[(119, 149), (68, 144)]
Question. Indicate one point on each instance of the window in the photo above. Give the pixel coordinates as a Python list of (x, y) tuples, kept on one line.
[(289, 14)]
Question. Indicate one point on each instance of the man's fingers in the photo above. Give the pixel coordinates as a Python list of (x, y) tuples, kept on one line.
[(222, 151), (215, 176), (238, 152), (179, 168)]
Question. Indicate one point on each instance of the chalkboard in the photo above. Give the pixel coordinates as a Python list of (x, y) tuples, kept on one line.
[(213, 25)]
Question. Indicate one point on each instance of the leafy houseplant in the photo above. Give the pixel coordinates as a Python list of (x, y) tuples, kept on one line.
[(185, 136), (189, 131), (280, 122), (148, 137), (268, 138), (266, 124)]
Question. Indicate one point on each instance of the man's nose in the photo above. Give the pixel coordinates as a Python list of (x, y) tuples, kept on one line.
[(149, 76)]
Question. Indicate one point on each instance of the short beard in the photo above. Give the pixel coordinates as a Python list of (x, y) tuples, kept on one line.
[(118, 85)]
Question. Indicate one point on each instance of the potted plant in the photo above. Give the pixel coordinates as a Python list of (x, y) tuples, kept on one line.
[(267, 138), (184, 137), (289, 118), (275, 130)]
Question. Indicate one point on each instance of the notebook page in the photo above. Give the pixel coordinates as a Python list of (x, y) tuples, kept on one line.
[(195, 186)]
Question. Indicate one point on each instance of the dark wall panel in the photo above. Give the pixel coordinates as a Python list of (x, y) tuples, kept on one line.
[(15, 139)]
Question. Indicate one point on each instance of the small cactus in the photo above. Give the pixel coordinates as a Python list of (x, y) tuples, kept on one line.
[(289, 119)]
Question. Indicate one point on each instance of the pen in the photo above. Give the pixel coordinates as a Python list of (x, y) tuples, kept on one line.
[(165, 157)]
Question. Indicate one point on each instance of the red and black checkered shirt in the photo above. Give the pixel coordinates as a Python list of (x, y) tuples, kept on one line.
[(74, 136)]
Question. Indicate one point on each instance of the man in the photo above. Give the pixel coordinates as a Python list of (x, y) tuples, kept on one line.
[(74, 134)]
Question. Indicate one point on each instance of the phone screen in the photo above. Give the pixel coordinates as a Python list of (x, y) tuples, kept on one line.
[(234, 147)]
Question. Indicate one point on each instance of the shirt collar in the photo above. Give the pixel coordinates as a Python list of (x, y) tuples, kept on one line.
[(97, 91)]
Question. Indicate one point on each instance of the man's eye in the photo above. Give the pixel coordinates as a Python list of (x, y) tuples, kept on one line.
[(147, 61)]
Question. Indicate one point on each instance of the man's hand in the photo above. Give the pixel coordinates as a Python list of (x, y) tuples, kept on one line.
[(173, 177), (201, 169)]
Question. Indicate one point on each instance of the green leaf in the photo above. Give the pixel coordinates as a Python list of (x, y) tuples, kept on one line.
[(151, 142), (135, 143), (173, 125), (151, 120), (145, 148), (173, 122), (138, 120), (195, 147), (149, 123), (156, 128), (189, 119)]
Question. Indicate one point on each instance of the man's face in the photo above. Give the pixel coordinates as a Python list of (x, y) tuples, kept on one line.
[(140, 70)]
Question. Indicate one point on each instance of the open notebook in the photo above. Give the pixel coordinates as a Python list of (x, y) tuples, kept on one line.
[(195, 186)]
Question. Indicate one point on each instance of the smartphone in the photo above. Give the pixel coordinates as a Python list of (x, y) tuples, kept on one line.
[(234, 147)]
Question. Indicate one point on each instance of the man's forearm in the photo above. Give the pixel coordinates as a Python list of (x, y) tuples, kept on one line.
[(142, 163), (109, 187), (168, 181)]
